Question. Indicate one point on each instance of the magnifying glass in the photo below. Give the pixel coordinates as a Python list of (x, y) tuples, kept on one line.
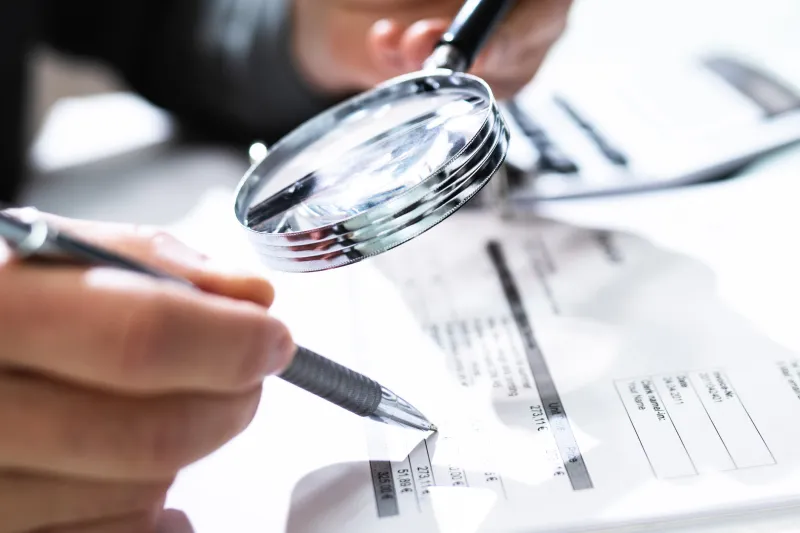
[(383, 167)]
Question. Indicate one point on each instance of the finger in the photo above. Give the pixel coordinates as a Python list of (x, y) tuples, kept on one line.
[(508, 87), (530, 25), (159, 249), (419, 41), (62, 430), (519, 65), (383, 45), (135, 523), (33, 501), (162, 250), (112, 329), (530, 28)]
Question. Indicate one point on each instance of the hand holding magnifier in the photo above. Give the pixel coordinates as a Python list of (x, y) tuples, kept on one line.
[(383, 167)]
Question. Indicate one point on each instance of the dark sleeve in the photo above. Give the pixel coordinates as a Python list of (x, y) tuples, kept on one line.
[(220, 66)]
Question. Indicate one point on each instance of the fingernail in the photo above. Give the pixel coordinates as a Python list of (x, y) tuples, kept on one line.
[(389, 35), (174, 521), (382, 26), (116, 279), (221, 267), (175, 251), (26, 214), (283, 350)]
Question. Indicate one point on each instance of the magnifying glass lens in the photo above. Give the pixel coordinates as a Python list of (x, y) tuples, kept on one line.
[(373, 172), (377, 153)]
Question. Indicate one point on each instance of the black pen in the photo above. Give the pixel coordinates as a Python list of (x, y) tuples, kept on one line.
[(36, 239)]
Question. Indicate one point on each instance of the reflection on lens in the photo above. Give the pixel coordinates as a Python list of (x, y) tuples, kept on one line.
[(378, 155)]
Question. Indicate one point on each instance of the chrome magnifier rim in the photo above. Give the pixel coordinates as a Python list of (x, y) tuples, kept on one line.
[(385, 226), (470, 182), (394, 215), (348, 248)]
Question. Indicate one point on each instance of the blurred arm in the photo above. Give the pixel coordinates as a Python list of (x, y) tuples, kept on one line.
[(223, 67)]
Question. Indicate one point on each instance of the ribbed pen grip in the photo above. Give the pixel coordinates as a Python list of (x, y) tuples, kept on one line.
[(333, 382)]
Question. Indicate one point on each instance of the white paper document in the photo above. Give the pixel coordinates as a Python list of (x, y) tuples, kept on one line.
[(580, 379)]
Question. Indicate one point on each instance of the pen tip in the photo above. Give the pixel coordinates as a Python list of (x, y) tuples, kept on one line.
[(434, 428)]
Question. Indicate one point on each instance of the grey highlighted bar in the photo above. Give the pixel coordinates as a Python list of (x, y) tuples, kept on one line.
[(556, 414), (383, 483)]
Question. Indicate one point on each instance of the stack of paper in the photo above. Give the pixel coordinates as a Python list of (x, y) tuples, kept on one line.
[(580, 379)]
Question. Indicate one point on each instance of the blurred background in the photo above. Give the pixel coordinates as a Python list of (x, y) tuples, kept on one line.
[(100, 152)]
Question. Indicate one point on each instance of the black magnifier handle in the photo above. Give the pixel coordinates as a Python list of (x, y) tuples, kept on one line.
[(471, 28)]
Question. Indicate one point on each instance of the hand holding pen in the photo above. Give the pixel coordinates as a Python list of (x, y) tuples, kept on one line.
[(113, 381)]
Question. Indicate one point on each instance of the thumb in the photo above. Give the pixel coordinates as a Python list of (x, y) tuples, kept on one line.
[(419, 41), (383, 45)]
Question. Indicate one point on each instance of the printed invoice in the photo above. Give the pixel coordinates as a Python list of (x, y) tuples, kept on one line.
[(579, 378)]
